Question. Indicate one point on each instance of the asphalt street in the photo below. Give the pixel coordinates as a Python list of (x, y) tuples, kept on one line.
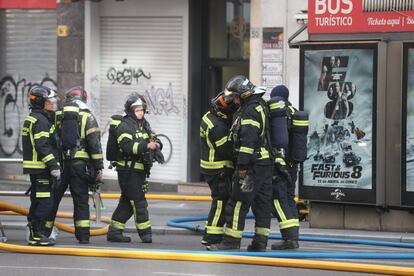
[(172, 239)]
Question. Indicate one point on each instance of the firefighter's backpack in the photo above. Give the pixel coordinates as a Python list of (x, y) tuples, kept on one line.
[(70, 127), (113, 152)]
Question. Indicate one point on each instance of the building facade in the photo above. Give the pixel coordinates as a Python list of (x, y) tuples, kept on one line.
[(177, 53)]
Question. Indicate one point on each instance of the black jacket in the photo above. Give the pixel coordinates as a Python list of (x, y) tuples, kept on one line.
[(40, 152), (216, 149), (132, 141), (90, 147), (249, 133)]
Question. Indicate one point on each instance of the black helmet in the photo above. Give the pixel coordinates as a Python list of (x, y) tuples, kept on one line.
[(135, 100), (224, 104), (38, 95), (76, 93), (239, 85)]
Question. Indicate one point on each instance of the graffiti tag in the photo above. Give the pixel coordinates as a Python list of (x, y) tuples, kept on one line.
[(161, 101), (126, 76), (13, 98)]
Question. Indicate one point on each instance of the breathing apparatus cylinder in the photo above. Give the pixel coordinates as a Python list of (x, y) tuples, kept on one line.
[(298, 136), (279, 136)]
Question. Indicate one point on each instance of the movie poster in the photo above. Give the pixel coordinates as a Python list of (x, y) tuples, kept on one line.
[(410, 122), (338, 93)]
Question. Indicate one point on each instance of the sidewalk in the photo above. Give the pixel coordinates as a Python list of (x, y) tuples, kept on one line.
[(163, 211)]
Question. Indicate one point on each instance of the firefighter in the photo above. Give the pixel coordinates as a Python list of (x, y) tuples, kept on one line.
[(253, 174), (40, 160), (290, 152), (81, 150), (216, 162), (133, 137)]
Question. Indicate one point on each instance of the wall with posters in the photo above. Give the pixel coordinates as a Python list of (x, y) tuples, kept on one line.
[(339, 93), (272, 58), (276, 14)]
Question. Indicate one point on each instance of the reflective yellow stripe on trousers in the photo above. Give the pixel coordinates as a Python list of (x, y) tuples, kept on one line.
[(82, 223)]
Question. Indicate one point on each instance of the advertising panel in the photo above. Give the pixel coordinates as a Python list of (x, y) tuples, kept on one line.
[(408, 128), (360, 16), (338, 89)]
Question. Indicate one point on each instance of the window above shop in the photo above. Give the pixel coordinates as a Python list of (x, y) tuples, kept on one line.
[(229, 29)]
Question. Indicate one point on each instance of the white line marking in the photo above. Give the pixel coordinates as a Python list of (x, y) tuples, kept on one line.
[(52, 268), (183, 274)]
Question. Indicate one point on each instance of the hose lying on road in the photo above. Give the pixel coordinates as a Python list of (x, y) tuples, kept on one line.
[(164, 197), (59, 225), (180, 223), (216, 257), (252, 258)]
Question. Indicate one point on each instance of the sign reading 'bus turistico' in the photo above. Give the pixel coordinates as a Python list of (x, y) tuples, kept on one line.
[(360, 16)]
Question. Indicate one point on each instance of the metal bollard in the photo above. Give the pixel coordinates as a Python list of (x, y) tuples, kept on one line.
[(3, 237)]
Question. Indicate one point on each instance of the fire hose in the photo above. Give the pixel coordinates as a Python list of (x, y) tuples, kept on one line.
[(252, 258)]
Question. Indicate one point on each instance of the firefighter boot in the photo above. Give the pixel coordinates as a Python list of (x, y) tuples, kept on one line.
[(209, 239), (228, 243), (285, 245), (37, 236), (48, 228), (115, 235), (145, 235), (82, 234), (259, 244)]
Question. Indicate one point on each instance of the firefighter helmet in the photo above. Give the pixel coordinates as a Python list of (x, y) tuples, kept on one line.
[(224, 104), (239, 85), (135, 101), (76, 93), (38, 95)]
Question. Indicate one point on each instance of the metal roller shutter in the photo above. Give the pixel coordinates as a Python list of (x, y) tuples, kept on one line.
[(28, 51), (145, 55), (28, 56)]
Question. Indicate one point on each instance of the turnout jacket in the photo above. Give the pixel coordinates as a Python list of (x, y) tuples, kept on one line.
[(216, 148), (132, 142), (90, 147), (248, 133), (40, 152)]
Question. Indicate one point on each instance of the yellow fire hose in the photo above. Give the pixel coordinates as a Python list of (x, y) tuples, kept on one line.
[(211, 258), (164, 197), (168, 197), (59, 225), (178, 256)]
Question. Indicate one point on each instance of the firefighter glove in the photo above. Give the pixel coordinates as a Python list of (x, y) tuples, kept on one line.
[(145, 186), (55, 174)]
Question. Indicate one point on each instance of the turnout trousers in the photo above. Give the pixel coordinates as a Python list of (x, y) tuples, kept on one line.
[(75, 177), (220, 186), (284, 205), (41, 200), (259, 198), (132, 202)]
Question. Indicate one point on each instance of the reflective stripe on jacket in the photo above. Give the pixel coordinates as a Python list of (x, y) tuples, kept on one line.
[(251, 132), (216, 149), (39, 143), (90, 147)]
